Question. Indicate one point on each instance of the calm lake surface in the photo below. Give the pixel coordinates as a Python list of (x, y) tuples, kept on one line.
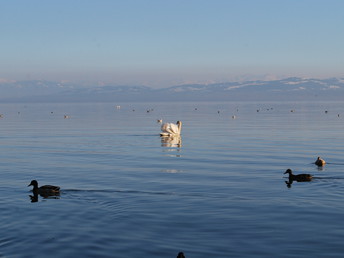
[(219, 191)]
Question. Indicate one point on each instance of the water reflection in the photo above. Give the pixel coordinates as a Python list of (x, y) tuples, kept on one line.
[(171, 141), (35, 195), (320, 168), (172, 171), (290, 181)]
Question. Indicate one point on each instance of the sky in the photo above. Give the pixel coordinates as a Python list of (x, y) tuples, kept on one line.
[(162, 43)]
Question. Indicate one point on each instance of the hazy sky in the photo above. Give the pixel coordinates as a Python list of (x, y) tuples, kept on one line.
[(164, 43)]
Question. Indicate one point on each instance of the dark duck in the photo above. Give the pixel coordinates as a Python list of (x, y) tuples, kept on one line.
[(298, 178), (45, 189)]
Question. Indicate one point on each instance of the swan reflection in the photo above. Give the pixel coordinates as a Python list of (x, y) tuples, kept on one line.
[(171, 141)]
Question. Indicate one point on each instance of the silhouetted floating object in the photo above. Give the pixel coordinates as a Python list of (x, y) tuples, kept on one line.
[(66, 116), (45, 189), (159, 121), (320, 162), (181, 255), (298, 178)]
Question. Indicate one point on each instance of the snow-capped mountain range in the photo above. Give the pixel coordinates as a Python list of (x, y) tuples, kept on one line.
[(286, 89)]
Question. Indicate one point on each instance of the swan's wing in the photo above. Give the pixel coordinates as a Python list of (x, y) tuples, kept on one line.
[(174, 128), (170, 128), (165, 128)]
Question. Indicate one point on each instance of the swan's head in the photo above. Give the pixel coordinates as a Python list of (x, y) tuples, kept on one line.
[(288, 171), (179, 123)]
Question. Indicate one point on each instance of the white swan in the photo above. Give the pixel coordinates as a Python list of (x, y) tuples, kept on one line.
[(170, 129)]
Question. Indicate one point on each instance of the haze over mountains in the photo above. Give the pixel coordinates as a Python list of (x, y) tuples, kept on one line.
[(286, 89)]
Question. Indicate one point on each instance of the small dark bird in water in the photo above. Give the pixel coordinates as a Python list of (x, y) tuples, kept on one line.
[(45, 189), (320, 162), (298, 178), (181, 255)]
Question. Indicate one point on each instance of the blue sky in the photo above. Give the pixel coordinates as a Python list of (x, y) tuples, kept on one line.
[(163, 43)]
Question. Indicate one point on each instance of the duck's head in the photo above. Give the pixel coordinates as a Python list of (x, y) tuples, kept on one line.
[(288, 171), (34, 183)]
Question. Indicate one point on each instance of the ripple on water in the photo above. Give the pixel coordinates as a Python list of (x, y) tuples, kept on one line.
[(125, 193)]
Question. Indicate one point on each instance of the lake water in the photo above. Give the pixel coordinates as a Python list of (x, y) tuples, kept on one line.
[(219, 191)]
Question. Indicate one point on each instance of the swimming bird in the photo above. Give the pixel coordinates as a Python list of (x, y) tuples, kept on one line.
[(170, 129), (298, 178), (45, 189), (320, 162)]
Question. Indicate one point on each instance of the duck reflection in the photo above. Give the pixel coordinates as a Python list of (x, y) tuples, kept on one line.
[(171, 141), (35, 195)]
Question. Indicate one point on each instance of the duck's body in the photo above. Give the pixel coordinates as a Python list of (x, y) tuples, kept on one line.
[(320, 162), (298, 178), (45, 189), (170, 129)]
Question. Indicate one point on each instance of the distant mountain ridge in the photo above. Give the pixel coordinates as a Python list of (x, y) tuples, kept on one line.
[(293, 88)]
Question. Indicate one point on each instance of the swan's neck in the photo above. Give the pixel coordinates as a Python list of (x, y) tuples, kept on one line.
[(180, 127)]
